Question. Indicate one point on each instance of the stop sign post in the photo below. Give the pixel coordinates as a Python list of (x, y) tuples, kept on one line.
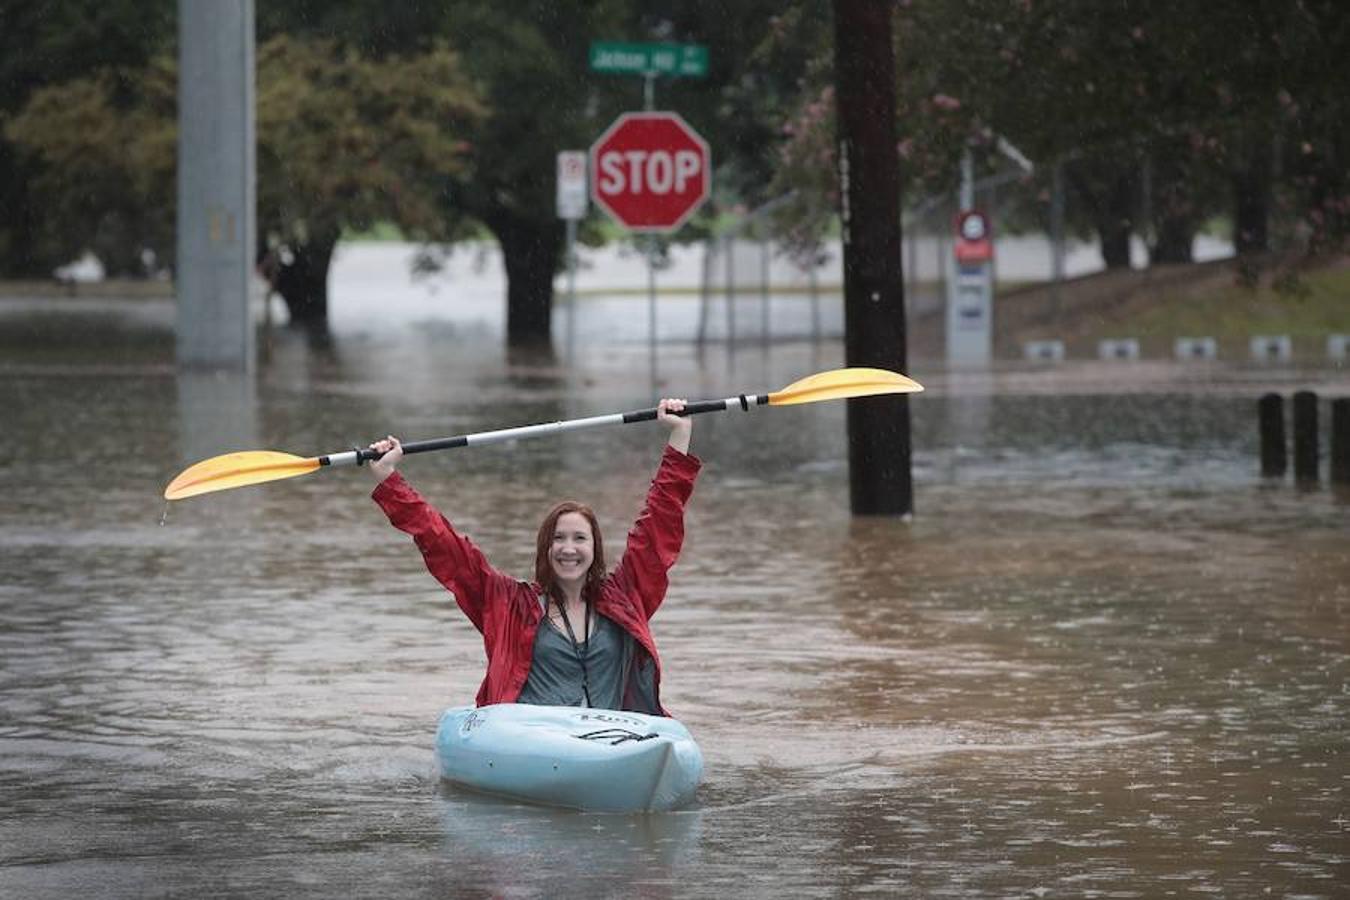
[(650, 171)]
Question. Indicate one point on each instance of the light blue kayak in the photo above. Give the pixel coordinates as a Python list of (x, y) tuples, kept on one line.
[(591, 759)]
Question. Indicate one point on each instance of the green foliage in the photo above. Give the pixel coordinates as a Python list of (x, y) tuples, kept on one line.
[(102, 150), (1201, 96), (343, 141), (439, 117), (43, 44), (47, 43)]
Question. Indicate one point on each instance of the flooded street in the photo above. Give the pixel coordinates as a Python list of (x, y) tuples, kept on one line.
[(1106, 659)]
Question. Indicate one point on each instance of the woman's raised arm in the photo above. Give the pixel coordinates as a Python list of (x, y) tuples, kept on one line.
[(681, 427)]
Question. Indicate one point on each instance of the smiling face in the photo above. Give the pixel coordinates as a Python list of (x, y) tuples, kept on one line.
[(569, 554), (573, 548)]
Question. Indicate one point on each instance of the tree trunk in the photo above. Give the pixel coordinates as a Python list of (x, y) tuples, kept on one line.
[(531, 252), (1251, 198), (23, 253), (1115, 225), (1176, 235), (302, 281), (1109, 192), (1176, 216), (1114, 236)]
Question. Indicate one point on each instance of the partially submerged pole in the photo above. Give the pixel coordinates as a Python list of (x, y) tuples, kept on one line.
[(1305, 437), (216, 162), (1340, 441), (880, 480), (1270, 415)]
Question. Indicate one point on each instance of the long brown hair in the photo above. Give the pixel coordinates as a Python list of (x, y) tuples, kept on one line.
[(543, 569)]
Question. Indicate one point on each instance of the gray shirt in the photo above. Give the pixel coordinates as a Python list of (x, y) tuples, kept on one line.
[(555, 672)]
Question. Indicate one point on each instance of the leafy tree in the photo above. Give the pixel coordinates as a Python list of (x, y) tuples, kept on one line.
[(528, 62), (1163, 114), (531, 63), (42, 44), (532, 59), (343, 141), (529, 67), (102, 152)]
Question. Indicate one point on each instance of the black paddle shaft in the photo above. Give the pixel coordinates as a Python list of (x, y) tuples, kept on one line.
[(694, 408), (745, 401)]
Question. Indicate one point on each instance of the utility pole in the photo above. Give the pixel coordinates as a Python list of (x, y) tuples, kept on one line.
[(216, 176), (880, 480)]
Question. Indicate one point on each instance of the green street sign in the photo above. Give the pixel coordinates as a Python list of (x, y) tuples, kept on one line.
[(676, 60)]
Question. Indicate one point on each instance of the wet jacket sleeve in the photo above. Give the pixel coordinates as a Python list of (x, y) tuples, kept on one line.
[(451, 558), (656, 537)]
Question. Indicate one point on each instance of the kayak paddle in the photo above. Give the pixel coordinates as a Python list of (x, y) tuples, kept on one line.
[(234, 470)]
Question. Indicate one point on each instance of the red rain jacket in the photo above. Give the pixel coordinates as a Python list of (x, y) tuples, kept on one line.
[(507, 612)]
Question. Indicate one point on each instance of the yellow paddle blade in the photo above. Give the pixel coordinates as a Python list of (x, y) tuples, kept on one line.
[(840, 384), (234, 470)]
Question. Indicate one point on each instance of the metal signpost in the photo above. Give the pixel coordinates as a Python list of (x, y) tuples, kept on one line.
[(970, 281), (661, 149), (970, 292), (650, 171), (572, 204)]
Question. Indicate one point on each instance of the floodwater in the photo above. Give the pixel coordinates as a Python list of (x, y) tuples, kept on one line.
[(1105, 659)]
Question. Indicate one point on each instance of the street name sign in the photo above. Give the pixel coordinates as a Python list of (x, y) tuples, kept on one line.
[(677, 60)]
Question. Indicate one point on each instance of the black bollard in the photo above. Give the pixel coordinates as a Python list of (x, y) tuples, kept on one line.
[(1340, 441), (1274, 456), (1305, 437)]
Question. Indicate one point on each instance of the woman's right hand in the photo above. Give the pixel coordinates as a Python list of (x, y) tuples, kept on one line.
[(383, 467), (680, 426)]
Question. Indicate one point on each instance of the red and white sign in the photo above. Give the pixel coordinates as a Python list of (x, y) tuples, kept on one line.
[(974, 244), (572, 184), (650, 171)]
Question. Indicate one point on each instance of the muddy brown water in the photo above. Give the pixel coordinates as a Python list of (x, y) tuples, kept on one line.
[(1105, 659)]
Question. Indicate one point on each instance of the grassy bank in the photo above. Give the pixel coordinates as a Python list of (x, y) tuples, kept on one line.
[(1318, 305), (1158, 305)]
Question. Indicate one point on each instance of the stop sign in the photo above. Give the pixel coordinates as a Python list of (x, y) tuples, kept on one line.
[(650, 171)]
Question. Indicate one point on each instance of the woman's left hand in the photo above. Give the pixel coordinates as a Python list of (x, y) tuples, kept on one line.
[(681, 427)]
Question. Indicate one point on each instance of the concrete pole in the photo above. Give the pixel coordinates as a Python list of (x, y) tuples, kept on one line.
[(731, 289), (216, 178), (1056, 235), (571, 290), (912, 258), (649, 104), (763, 288), (967, 198)]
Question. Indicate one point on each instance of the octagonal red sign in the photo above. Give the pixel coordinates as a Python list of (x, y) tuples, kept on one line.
[(650, 171)]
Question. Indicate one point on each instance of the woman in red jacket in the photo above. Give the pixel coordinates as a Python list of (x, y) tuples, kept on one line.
[(577, 635)]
